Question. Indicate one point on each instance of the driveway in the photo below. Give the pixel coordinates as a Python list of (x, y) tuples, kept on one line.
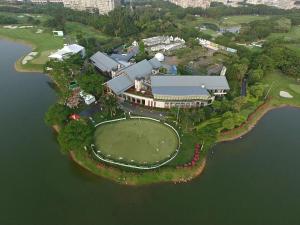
[(143, 111)]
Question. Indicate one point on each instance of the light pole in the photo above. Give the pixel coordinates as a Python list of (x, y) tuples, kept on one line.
[(177, 115)]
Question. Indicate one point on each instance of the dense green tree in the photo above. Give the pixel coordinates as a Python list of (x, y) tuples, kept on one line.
[(8, 20), (255, 75), (263, 61), (237, 71), (57, 22), (57, 114), (228, 124), (282, 25), (238, 103), (257, 90), (121, 22), (110, 105), (91, 83), (75, 135)]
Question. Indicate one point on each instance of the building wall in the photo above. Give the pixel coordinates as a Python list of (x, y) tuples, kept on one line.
[(102, 6), (150, 102), (192, 3)]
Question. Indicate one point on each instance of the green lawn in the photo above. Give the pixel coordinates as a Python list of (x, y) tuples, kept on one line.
[(222, 22), (293, 35), (295, 47), (280, 82), (140, 140), (23, 17), (42, 43), (295, 88), (73, 28), (237, 20)]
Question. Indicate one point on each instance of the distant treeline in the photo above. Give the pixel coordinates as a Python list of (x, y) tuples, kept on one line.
[(149, 17)]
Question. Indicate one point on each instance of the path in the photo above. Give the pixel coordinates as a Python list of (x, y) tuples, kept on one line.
[(142, 111)]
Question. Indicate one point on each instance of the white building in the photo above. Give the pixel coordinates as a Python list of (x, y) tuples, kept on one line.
[(88, 99), (101, 6), (163, 43), (214, 46), (67, 51), (192, 3)]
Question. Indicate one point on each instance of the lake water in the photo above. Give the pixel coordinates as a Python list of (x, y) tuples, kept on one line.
[(254, 180)]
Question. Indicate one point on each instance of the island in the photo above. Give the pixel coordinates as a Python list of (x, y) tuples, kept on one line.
[(145, 104)]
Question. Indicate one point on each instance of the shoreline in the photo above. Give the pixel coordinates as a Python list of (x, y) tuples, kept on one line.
[(250, 124), (17, 65), (198, 171), (101, 167)]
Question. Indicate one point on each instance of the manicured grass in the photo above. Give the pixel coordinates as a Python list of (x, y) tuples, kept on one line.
[(293, 35), (73, 28), (281, 82), (23, 17), (295, 88), (164, 174), (140, 140), (42, 43), (295, 47), (237, 20)]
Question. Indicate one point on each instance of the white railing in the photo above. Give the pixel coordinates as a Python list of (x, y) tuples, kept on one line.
[(102, 158)]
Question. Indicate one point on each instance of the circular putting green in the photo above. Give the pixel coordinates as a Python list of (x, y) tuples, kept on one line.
[(136, 141)]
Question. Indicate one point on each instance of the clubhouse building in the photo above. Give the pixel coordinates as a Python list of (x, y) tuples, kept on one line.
[(141, 83)]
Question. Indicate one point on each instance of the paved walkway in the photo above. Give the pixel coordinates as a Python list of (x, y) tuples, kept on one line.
[(142, 111)]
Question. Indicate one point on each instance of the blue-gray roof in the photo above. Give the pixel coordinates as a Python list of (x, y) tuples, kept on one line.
[(119, 84), (142, 69), (126, 57), (208, 82), (120, 57), (180, 91), (127, 76), (155, 63), (103, 62)]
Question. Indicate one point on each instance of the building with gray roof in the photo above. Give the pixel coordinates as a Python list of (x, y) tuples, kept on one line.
[(126, 57), (208, 82), (190, 89), (104, 63), (125, 77), (140, 83), (167, 91)]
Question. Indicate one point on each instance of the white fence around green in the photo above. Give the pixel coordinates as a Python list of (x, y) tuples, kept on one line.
[(141, 167)]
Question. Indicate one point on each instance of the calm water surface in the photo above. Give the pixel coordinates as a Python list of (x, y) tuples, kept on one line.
[(254, 180)]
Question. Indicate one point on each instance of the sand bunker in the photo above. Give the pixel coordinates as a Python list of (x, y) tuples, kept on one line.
[(16, 27), (285, 94), (29, 57), (10, 27)]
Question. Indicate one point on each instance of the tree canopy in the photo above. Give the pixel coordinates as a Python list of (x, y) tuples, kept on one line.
[(75, 135)]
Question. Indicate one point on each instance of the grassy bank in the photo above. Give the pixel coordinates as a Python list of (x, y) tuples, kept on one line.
[(277, 82), (165, 174), (42, 43)]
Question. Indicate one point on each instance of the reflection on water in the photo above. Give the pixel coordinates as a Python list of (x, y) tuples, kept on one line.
[(251, 181)]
